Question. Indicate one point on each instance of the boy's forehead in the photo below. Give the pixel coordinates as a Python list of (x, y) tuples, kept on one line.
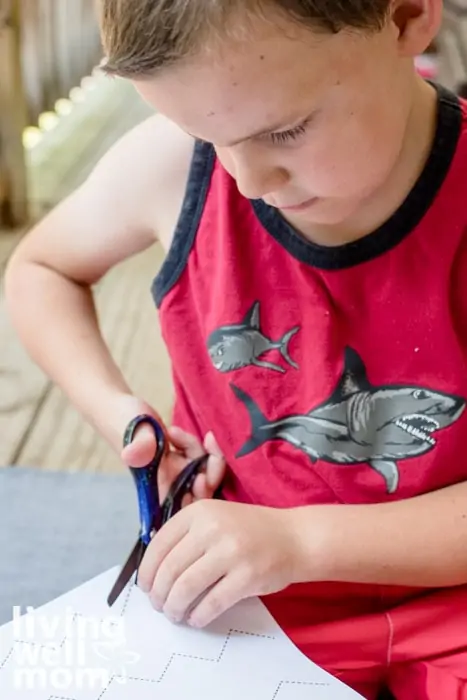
[(261, 85)]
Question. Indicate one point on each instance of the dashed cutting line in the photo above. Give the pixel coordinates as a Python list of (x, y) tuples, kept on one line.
[(202, 658), (7, 657), (50, 645), (176, 655), (307, 683), (127, 600), (101, 695), (37, 644)]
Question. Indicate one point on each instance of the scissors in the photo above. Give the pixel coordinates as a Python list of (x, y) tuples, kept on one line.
[(153, 514)]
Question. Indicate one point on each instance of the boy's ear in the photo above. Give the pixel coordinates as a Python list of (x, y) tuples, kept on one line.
[(417, 23)]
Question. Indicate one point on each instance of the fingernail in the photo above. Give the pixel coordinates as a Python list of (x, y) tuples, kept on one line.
[(156, 604), (193, 622)]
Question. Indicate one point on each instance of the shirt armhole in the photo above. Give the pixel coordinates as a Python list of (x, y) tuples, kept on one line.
[(199, 179)]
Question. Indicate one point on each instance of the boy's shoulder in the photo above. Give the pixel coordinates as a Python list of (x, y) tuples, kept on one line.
[(149, 165), (128, 201)]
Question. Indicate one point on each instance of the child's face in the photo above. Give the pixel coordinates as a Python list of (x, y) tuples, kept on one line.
[(332, 110)]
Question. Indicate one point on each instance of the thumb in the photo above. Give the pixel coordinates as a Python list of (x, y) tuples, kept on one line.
[(143, 448)]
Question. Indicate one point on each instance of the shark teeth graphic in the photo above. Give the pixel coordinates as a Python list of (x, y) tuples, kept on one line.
[(360, 423), (419, 426)]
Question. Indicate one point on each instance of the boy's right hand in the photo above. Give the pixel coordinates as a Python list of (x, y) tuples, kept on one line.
[(183, 448)]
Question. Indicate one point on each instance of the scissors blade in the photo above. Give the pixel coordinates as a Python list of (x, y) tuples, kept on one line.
[(179, 488), (129, 568)]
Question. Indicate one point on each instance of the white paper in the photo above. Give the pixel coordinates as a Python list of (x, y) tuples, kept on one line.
[(76, 648)]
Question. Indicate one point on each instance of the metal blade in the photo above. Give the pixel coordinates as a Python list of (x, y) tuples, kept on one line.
[(130, 567), (179, 488)]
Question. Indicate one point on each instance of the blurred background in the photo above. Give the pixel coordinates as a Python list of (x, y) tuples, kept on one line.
[(58, 115), (67, 508)]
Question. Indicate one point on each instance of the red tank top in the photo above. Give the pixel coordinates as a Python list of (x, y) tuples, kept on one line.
[(328, 375)]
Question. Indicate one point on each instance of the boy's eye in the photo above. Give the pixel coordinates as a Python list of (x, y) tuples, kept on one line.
[(281, 137)]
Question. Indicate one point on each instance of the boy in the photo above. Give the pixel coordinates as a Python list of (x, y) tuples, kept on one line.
[(306, 185)]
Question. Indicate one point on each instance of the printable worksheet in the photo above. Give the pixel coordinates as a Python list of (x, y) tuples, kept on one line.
[(77, 648)]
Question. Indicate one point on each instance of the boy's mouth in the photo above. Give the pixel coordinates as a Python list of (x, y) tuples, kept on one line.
[(299, 207)]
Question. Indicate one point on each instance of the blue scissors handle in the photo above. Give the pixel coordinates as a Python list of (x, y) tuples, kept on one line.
[(145, 478), (153, 513)]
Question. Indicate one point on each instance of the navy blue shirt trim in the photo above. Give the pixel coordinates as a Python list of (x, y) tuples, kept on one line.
[(199, 178), (400, 224), (387, 236)]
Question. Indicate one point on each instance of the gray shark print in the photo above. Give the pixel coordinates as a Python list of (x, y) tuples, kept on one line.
[(361, 423), (243, 344)]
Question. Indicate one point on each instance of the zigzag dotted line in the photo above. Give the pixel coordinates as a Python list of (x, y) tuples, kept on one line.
[(36, 644), (50, 645), (145, 680), (221, 654), (308, 683), (126, 601), (6, 659), (169, 663), (176, 655)]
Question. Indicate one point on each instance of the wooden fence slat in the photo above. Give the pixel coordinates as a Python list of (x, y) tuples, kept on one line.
[(13, 119), (453, 43), (30, 58), (46, 48)]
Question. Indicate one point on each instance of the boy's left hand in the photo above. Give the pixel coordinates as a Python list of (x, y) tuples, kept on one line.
[(213, 554)]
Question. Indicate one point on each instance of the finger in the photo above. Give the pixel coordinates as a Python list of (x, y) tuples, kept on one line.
[(194, 583), (216, 467), (179, 559), (163, 542), (206, 484), (186, 443), (221, 597), (201, 488), (215, 473), (211, 446), (187, 500), (143, 448)]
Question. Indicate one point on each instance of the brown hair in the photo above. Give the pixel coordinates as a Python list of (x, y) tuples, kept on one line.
[(143, 36)]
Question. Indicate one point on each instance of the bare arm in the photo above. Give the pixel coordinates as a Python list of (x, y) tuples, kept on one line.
[(418, 542), (49, 279)]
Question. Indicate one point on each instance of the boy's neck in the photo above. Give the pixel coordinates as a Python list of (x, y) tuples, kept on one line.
[(384, 203)]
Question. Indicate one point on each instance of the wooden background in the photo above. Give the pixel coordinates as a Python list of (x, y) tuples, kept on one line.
[(46, 48)]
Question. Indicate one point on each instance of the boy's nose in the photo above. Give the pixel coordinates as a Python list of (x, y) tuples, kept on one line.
[(256, 180)]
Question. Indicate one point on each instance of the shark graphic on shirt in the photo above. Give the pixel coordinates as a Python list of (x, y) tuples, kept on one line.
[(361, 423), (242, 344)]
